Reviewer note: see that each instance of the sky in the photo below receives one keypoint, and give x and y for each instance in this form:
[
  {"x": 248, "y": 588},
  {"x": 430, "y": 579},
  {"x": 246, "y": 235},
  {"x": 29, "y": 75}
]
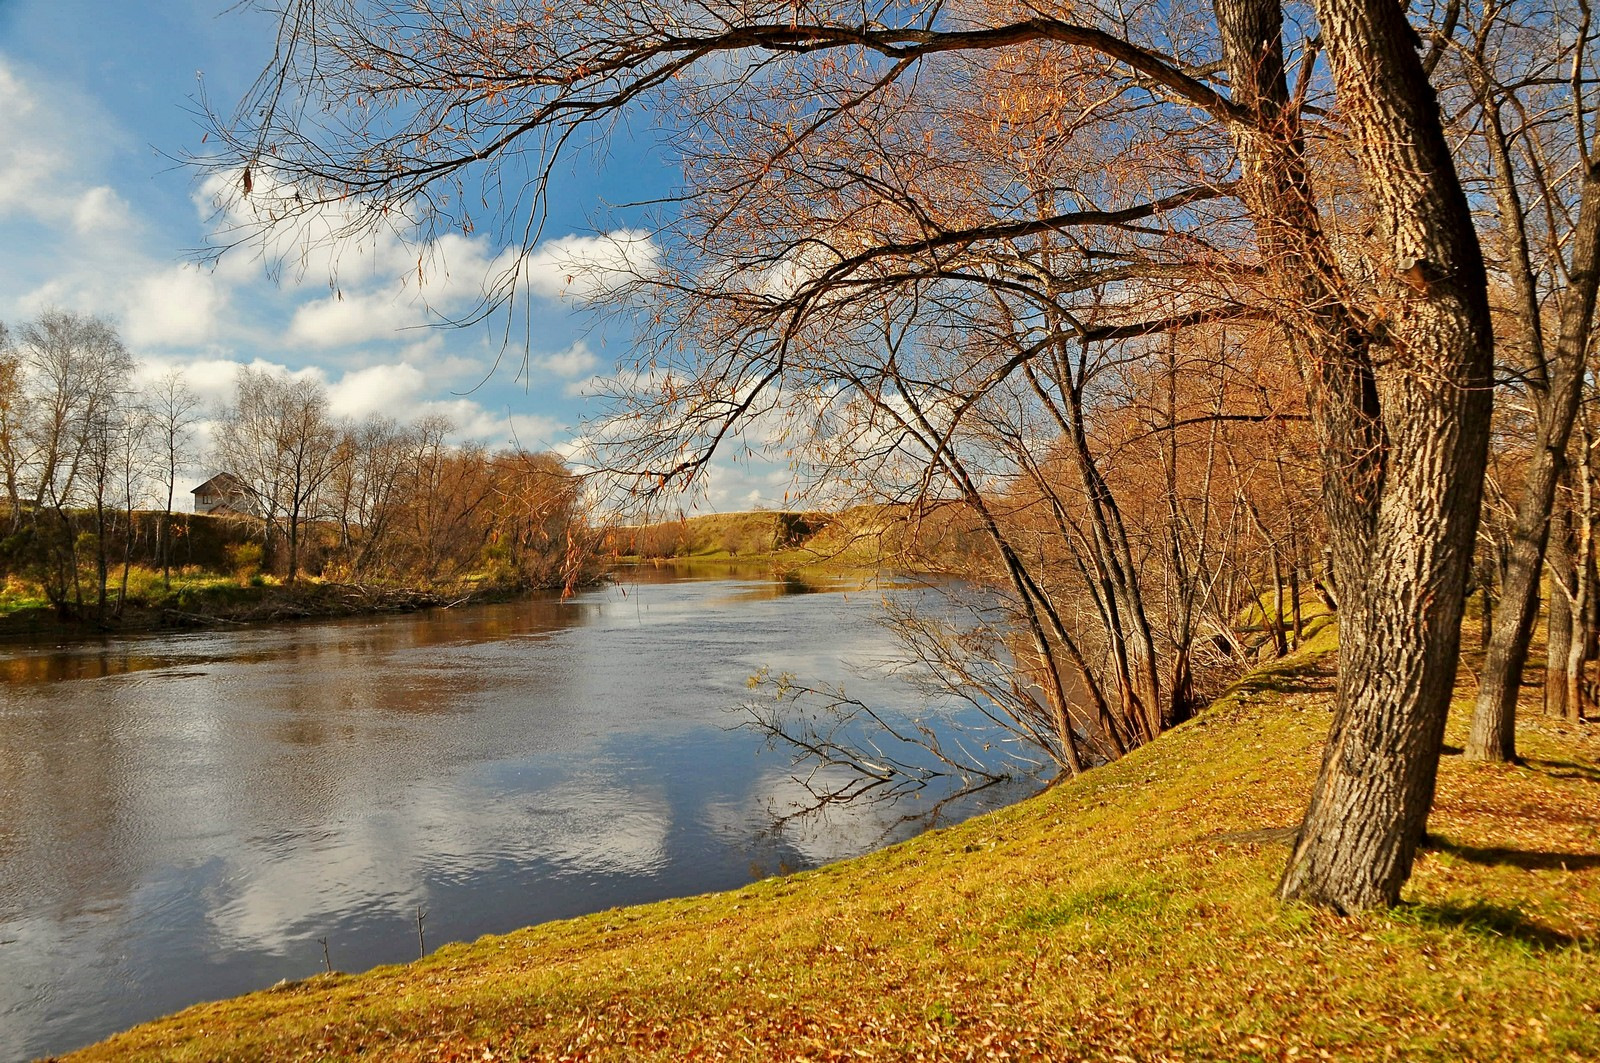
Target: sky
[{"x": 98, "y": 100}]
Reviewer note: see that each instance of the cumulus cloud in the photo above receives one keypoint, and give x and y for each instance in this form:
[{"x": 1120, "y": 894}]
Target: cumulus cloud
[
  {"x": 576, "y": 361},
  {"x": 352, "y": 315},
  {"x": 376, "y": 389},
  {"x": 342, "y": 320},
  {"x": 590, "y": 267},
  {"x": 176, "y": 307},
  {"x": 35, "y": 168},
  {"x": 98, "y": 211},
  {"x": 390, "y": 278}
]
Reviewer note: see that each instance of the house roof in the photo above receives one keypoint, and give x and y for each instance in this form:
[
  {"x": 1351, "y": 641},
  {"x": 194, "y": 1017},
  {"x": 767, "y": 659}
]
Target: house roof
[{"x": 223, "y": 483}]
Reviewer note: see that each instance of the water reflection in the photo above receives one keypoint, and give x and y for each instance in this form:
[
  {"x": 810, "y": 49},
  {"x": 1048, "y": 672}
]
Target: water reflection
[{"x": 187, "y": 814}]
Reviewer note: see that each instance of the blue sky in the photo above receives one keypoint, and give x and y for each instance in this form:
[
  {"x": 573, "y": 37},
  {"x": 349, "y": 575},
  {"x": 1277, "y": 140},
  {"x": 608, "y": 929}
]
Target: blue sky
[{"x": 97, "y": 100}]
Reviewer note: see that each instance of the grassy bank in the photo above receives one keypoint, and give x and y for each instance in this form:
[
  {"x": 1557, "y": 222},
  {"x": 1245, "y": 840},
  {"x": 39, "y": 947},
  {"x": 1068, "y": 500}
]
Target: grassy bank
[
  {"x": 862, "y": 537},
  {"x": 209, "y": 599},
  {"x": 1125, "y": 915}
]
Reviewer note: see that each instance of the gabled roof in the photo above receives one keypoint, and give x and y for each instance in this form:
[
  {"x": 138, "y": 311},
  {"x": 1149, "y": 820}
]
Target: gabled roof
[{"x": 223, "y": 483}]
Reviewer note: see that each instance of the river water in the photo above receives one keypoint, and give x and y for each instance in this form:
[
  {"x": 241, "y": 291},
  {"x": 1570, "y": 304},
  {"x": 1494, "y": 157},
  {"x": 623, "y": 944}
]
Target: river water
[{"x": 187, "y": 816}]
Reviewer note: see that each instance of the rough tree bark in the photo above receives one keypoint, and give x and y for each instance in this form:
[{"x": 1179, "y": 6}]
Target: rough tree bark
[
  {"x": 1400, "y": 394},
  {"x": 1558, "y": 616}
]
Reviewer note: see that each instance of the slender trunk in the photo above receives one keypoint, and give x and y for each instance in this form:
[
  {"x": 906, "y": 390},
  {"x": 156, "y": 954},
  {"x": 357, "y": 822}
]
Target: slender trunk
[
  {"x": 1486, "y": 593},
  {"x": 1558, "y": 623},
  {"x": 1274, "y": 619},
  {"x": 1558, "y": 614},
  {"x": 1114, "y": 585},
  {"x": 127, "y": 562},
  {"x": 1028, "y": 591},
  {"x": 1583, "y": 570},
  {"x": 102, "y": 561},
  {"x": 294, "y": 540},
  {"x": 1294, "y": 603},
  {"x": 1581, "y": 649},
  {"x": 73, "y": 561},
  {"x": 1493, "y": 735},
  {"x": 1572, "y": 667},
  {"x": 1280, "y": 637},
  {"x": 166, "y": 531},
  {"x": 1130, "y": 625}
]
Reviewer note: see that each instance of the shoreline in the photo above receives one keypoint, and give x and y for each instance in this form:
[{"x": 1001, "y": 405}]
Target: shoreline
[
  {"x": 1126, "y": 913},
  {"x": 234, "y": 606}
]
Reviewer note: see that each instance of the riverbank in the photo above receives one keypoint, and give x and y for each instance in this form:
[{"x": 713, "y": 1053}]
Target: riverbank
[
  {"x": 862, "y": 538},
  {"x": 224, "y": 603},
  {"x": 1127, "y": 914}
]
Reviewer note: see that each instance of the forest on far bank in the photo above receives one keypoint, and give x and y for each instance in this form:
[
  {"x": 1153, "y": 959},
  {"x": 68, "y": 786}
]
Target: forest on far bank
[{"x": 97, "y": 471}]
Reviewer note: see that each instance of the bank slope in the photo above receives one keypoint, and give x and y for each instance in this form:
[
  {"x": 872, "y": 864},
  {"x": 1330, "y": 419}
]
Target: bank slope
[{"x": 1125, "y": 915}]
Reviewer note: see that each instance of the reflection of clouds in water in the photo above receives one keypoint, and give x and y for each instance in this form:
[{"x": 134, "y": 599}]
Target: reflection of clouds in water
[
  {"x": 601, "y": 831},
  {"x": 593, "y": 822},
  {"x": 829, "y": 834},
  {"x": 291, "y": 887},
  {"x": 283, "y": 889},
  {"x": 192, "y": 823},
  {"x": 31, "y": 948}
]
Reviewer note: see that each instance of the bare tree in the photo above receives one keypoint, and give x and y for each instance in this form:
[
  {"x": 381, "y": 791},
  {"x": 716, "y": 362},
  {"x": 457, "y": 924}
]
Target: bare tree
[
  {"x": 278, "y": 439},
  {"x": 393, "y": 108},
  {"x": 13, "y": 432},
  {"x": 174, "y": 411},
  {"x": 1525, "y": 81},
  {"x": 76, "y": 371},
  {"x": 366, "y": 488}
]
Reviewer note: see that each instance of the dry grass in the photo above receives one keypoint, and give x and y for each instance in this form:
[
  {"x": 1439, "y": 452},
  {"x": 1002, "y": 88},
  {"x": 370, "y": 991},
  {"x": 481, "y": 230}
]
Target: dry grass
[{"x": 1128, "y": 915}]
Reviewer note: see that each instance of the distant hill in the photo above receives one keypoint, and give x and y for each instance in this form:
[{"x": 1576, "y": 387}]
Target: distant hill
[{"x": 861, "y": 536}]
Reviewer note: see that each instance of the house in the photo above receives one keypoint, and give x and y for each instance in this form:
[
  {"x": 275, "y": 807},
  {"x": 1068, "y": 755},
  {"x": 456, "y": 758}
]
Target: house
[{"x": 224, "y": 495}]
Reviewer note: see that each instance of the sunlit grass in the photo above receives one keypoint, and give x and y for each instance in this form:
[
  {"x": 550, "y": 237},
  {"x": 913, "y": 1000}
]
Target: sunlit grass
[{"x": 1126, "y": 915}]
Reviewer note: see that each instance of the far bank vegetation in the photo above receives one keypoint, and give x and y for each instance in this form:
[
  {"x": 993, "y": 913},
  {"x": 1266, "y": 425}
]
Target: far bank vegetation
[{"x": 97, "y": 460}]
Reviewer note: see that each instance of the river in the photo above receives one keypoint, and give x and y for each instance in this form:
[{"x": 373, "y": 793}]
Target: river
[{"x": 186, "y": 816}]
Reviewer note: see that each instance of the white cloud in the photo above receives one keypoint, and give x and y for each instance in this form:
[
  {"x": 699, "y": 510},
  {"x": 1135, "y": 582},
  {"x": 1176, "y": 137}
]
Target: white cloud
[
  {"x": 351, "y": 315},
  {"x": 343, "y": 320},
  {"x": 753, "y": 483},
  {"x": 576, "y": 361},
  {"x": 385, "y": 389},
  {"x": 34, "y": 168},
  {"x": 590, "y": 267},
  {"x": 99, "y": 211},
  {"x": 177, "y": 307}
]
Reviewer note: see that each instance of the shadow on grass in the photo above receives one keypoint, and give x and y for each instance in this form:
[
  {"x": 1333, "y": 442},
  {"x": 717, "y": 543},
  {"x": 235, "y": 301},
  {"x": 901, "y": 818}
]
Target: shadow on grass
[
  {"x": 1493, "y": 922},
  {"x": 1260, "y": 836},
  {"x": 1306, "y": 677},
  {"x": 1564, "y": 769},
  {"x": 1527, "y": 859}
]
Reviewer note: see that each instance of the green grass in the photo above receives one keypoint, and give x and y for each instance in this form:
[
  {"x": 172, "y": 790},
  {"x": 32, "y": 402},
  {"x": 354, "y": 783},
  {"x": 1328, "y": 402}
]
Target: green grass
[
  {"x": 17, "y": 597},
  {"x": 862, "y": 537},
  {"x": 146, "y": 587},
  {"x": 1128, "y": 914}
]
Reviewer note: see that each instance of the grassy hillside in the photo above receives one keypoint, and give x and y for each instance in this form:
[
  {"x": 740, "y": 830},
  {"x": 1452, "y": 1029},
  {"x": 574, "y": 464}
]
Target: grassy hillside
[
  {"x": 863, "y": 536},
  {"x": 1125, "y": 915}
]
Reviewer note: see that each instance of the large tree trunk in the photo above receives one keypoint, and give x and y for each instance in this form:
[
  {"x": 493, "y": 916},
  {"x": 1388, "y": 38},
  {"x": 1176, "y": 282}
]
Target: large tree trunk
[
  {"x": 1401, "y": 629},
  {"x": 1493, "y": 736},
  {"x": 1404, "y": 435}
]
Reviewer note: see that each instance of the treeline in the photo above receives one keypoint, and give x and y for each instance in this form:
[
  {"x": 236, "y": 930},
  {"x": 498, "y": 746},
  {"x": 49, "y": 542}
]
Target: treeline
[
  {"x": 384, "y": 499},
  {"x": 84, "y": 448}
]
